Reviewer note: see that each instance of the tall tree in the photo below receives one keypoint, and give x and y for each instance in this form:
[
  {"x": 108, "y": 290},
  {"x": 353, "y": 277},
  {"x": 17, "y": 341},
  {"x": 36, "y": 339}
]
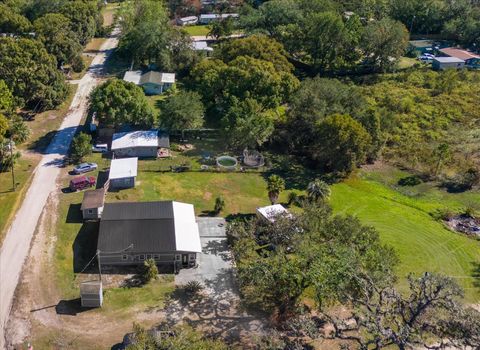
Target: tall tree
[
  {"x": 318, "y": 190},
  {"x": 117, "y": 102},
  {"x": 12, "y": 22},
  {"x": 83, "y": 18},
  {"x": 384, "y": 42},
  {"x": 55, "y": 32},
  {"x": 31, "y": 72},
  {"x": 342, "y": 144},
  {"x": 246, "y": 124},
  {"x": 182, "y": 111}
]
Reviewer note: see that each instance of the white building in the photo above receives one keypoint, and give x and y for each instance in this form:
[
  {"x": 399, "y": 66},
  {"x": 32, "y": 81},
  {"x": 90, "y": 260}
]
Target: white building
[
  {"x": 141, "y": 143},
  {"x": 185, "y": 21},
  {"x": 123, "y": 173},
  {"x": 271, "y": 212}
]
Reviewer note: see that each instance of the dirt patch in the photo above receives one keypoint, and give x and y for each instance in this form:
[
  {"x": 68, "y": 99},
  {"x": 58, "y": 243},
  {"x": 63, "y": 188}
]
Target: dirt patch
[{"x": 207, "y": 196}]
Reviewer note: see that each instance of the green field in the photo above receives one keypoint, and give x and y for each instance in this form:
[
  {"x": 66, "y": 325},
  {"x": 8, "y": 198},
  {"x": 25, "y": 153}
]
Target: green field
[
  {"x": 404, "y": 222},
  {"x": 198, "y": 30}
]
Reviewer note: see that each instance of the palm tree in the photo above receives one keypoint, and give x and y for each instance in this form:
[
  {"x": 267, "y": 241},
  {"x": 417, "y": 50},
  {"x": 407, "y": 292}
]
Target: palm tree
[
  {"x": 318, "y": 190},
  {"x": 275, "y": 185}
]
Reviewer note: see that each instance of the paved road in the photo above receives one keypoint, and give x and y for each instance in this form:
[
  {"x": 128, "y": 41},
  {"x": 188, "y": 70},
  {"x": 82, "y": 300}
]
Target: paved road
[{"x": 17, "y": 242}]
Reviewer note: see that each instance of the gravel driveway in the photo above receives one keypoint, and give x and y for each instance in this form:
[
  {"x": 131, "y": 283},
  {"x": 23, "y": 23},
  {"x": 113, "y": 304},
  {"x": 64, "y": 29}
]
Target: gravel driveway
[{"x": 16, "y": 246}]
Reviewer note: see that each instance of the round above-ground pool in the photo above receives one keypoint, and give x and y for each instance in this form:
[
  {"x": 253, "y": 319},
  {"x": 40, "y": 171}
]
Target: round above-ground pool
[{"x": 227, "y": 162}]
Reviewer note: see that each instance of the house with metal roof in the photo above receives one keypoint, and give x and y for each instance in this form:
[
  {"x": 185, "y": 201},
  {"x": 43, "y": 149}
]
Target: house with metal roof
[
  {"x": 141, "y": 144},
  {"x": 202, "y": 46},
  {"x": 212, "y": 17},
  {"x": 152, "y": 82},
  {"x": 185, "y": 21},
  {"x": 165, "y": 231},
  {"x": 442, "y": 63},
  {"x": 123, "y": 173},
  {"x": 92, "y": 204},
  {"x": 471, "y": 59}
]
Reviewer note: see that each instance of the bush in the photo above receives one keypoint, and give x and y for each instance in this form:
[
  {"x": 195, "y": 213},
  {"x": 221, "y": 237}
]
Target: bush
[
  {"x": 444, "y": 214},
  {"x": 150, "y": 270},
  {"x": 410, "y": 181},
  {"x": 193, "y": 287},
  {"x": 81, "y": 147},
  {"x": 219, "y": 205}
]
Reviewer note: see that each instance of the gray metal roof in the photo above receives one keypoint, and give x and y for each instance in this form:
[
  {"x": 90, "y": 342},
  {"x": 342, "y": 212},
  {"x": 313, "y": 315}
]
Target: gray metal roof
[{"x": 149, "y": 226}]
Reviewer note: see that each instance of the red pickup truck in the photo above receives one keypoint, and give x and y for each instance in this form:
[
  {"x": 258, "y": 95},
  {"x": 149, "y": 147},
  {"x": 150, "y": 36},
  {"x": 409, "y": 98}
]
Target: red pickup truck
[{"x": 82, "y": 182}]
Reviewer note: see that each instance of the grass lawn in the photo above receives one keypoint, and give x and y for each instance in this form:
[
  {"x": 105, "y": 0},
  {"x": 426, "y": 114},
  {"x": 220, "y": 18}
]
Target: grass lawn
[
  {"x": 197, "y": 30},
  {"x": 404, "y": 222},
  {"x": 407, "y": 62}
]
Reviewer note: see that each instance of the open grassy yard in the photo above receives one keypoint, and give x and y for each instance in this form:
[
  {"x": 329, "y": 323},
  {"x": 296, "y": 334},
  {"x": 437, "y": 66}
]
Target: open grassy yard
[
  {"x": 404, "y": 222},
  {"x": 197, "y": 30}
]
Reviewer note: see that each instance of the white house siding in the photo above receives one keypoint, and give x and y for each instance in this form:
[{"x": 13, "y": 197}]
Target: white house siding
[
  {"x": 127, "y": 258},
  {"x": 92, "y": 214}
]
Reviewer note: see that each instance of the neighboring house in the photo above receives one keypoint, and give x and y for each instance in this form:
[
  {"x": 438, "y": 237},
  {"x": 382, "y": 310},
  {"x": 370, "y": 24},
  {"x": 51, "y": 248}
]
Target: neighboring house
[
  {"x": 123, "y": 173},
  {"x": 212, "y": 17},
  {"x": 152, "y": 82},
  {"x": 142, "y": 144},
  {"x": 421, "y": 47},
  {"x": 185, "y": 21},
  {"x": 471, "y": 60},
  {"x": 92, "y": 204},
  {"x": 165, "y": 231},
  {"x": 202, "y": 46},
  {"x": 271, "y": 212},
  {"x": 442, "y": 63},
  {"x": 155, "y": 83}
]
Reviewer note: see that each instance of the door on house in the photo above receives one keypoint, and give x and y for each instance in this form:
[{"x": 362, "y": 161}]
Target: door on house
[{"x": 185, "y": 260}]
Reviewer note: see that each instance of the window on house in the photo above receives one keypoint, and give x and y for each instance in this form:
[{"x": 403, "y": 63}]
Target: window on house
[
  {"x": 156, "y": 256},
  {"x": 90, "y": 211},
  {"x": 124, "y": 257},
  {"x": 142, "y": 257},
  {"x": 192, "y": 257},
  {"x": 178, "y": 257},
  {"x": 149, "y": 256}
]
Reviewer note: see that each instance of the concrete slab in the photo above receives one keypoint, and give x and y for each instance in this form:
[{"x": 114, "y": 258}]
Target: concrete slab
[{"x": 212, "y": 227}]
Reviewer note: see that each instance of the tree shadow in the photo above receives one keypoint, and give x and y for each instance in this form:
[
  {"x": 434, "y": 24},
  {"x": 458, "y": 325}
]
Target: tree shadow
[
  {"x": 208, "y": 213},
  {"x": 296, "y": 175},
  {"x": 102, "y": 178},
  {"x": 239, "y": 216},
  {"x": 85, "y": 247},
  {"x": 40, "y": 145},
  {"x": 218, "y": 247},
  {"x": 217, "y": 309}
]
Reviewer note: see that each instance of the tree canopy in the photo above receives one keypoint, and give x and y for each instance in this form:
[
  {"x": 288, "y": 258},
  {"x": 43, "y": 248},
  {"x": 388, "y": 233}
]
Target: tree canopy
[
  {"x": 31, "y": 72},
  {"x": 182, "y": 111},
  {"x": 117, "y": 102}
]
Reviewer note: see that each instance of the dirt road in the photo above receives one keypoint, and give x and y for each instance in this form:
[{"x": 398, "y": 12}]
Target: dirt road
[{"x": 16, "y": 246}]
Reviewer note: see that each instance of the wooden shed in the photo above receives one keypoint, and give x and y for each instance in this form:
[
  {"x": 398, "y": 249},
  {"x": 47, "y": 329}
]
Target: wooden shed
[
  {"x": 92, "y": 204},
  {"x": 91, "y": 294}
]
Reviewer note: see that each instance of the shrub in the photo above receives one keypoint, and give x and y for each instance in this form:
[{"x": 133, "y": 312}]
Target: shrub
[
  {"x": 444, "y": 214},
  {"x": 193, "y": 287},
  {"x": 81, "y": 147},
  {"x": 292, "y": 198},
  {"x": 410, "y": 181},
  {"x": 150, "y": 270},
  {"x": 219, "y": 205}
]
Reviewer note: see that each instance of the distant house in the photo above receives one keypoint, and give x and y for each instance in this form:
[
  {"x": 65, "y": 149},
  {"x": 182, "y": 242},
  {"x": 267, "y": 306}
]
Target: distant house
[
  {"x": 123, "y": 173},
  {"x": 442, "y": 63},
  {"x": 271, "y": 212},
  {"x": 141, "y": 144},
  {"x": 202, "y": 46},
  {"x": 152, "y": 82},
  {"x": 185, "y": 21},
  {"x": 212, "y": 17},
  {"x": 420, "y": 47},
  {"x": 166, "y": 231},
  {"x": 471, "y": 60},
  {"x": 92, "y": 204}
]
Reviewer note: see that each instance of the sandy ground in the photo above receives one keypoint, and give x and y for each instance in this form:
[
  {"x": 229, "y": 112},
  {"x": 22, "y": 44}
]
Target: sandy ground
[{"x": 16, "y": 246}]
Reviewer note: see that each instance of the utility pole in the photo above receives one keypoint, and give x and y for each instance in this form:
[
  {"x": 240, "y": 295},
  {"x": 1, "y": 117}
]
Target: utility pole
[{"x": 12, "y": 165}]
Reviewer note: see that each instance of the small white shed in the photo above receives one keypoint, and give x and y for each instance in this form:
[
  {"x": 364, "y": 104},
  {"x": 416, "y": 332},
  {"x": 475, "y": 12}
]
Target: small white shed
[
  {"x": 123, "y": 173},
  {"x": 270, "y": 212}
]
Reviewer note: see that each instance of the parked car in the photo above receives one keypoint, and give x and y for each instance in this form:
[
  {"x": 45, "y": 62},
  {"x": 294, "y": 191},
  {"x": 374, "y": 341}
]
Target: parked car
[
  {"x": 84, "y": 168},
  {"x": 82, "y": 182},
  {"x": 426, "y": 57},
  {"x": 100, "y": 148}
]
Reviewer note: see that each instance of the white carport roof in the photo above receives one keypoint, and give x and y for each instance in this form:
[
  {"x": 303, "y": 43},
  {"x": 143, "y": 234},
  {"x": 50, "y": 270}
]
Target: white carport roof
[
  {"x": 133, "y": 76},
  {"x": 272, "y": 211},
  {"x": 187, "y": 237},
  {"x": 139, "y": 138},
  {"x": 122, "y": 168}
]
